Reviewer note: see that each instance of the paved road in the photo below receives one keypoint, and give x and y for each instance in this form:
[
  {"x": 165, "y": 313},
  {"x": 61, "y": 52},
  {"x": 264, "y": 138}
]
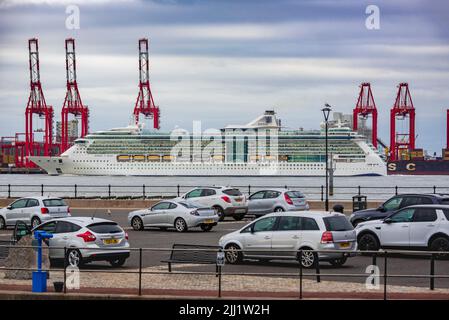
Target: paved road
[{"x": 154, "y": 238}]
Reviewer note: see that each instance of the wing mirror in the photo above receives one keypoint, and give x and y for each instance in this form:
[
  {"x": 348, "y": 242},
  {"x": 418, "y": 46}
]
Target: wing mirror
[
  {"x": 381, "y": 209},
  {"x": 9, "y": 207}
]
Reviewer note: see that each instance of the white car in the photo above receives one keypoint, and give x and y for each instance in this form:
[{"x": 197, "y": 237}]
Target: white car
[
  {"x": 415, "y": 227},
  {"x": 282, "y": 235},
  {"x": 33, "y": 211},
  {"x": 226, "y": 201},
  {"x": 86, "y": 239},
  {"x": 180, "y": 215}
]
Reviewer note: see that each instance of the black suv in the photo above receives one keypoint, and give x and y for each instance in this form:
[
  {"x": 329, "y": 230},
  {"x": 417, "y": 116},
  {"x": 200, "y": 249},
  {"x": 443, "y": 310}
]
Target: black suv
[{"x": 395, "y": 203}]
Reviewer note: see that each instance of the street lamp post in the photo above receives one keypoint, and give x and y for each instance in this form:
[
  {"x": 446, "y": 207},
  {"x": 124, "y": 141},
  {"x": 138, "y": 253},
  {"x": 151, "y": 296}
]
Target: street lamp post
[{"x": 326, "y": 111}]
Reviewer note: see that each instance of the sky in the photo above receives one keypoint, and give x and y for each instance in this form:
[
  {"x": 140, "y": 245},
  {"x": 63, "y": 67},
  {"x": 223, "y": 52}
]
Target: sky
[{"x": 225, "y": 62}]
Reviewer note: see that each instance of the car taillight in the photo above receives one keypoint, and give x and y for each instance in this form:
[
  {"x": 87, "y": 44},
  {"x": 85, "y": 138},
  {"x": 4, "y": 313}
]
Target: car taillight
[
  {"x": 327, "y": 237},
  {"x": 288, "y": 199},
  {"x": 68, "y": 209},
  {"x": 44, "y": 210},
  {"x": 194, "y": 213},
  {"x": 87, "y": 236},
  {"x": 126, "y": 235},
  {"x": 226, "y": 199}
]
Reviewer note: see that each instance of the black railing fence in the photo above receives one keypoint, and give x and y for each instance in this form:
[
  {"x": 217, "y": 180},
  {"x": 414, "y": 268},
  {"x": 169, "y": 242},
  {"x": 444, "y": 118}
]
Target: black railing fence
[
  {"x": 382, "y": 259},
  {"x": 144, "y": 191}
]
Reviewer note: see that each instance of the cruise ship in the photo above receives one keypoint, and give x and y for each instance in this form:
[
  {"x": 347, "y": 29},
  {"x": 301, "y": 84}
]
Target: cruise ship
[{"x": 261, "y": 147}]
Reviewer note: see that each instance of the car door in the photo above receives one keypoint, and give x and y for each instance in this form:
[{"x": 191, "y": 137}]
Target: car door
[
  {"x": 269, "y": 202},
  {"x": 286, "y": 237},
  {"x": 395, "y": 230},
  {"x": 194, "y": 196},
  {"x": 50, "y": 227},
  {"x": 171, "y": 213},
  {"x": 157, "y": 215},
  {"x": 391, "y": 205},
  {"x": 207, "y": 197},
  {"x": 423, "y": 226},
  {"x": 32, "y": 208},
  {"x": 257, "y": 242},
  {"x": 14, "y": 212},
  {"x": 61, "y": 237},
  {"x": 254, "y": 203}
]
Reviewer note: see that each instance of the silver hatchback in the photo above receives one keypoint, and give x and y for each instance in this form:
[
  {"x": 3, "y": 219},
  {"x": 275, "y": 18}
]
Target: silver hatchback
[{"x": 276, "y": 200}]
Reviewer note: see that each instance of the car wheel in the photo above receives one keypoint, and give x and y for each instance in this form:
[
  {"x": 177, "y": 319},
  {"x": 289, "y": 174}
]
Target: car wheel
[
  {"x": 206, "y": 227},
  {"x": 233, "y": 254},
  {"x": 338, "y": 262},
  {"x": 2, "y": 223},
  {"x": 118, "y": 262},
  {"x": 440, "y": 244},
  {"x": 279, "y": 209},
  {"x": 239, "y": 216},
  {"x": 35, "y": 222},
  {"x": 137, "y": 223},
  {"x": 368, "y": 242},
  {"x": 180, "y": 225},
  {"x": 308, "y": 259},
  {"x": 74, "y": 258},
  {"x": 220, "y": 212}
]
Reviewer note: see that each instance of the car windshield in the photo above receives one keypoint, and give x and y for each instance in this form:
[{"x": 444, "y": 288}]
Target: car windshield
[
  {"x": 54, "y": 203},
  {"x": 105, "y": 227},
  {"x": 232, "y": 192},
  {"x": 337, "y": 223},
  {"x": 188, "y": 205},
  {"x": 295, "y": 194}
]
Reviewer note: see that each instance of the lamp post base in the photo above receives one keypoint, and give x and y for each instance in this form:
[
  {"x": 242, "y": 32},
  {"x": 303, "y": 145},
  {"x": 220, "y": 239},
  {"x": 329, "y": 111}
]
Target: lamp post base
[{"x": 39, "y": 281}]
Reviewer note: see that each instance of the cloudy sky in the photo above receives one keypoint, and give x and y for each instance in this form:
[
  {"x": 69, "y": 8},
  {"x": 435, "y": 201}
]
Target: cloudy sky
[{"x": 227, "y": 61}]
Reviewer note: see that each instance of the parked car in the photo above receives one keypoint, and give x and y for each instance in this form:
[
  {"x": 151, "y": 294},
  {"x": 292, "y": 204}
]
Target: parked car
[
  {"x": 86, "y": 239},
  {"x": 276, "y": 200},
  {"x": 180, "y": 215},
  {"x": 418, "y": 227},
  {"x": 395, "y": 203},
  {"x": 282, "y": 235},
  {"x": 33, "y": 211},
  {"x": 226, "y": 201}
]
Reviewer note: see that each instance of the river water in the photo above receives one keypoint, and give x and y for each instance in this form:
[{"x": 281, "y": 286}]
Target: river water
[{"x": 90, "y": 186}]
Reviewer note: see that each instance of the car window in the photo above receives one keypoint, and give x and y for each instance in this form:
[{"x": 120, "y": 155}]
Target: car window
[
  {"x": 272, "y": 194},
  {"x": 54, "y": 203},
  {"x": 172, "y": 206},
  {"x": 105, "y": 227},
  {"x": 49, "y": 227},
  {"x": 232, "y": 192},
  {"x": 289, "y": 223},
  {"x": 446, "y": 213},
  {"x": 32, "y": 203},
  {"x": 19, "y": 204},
  {"x": 258, "y": 195},
  {"x": 445, "y": 201},
  {"x": 194, "y": 193},
  {"x": 405, "y": 215},
  {"x": 392, "y": 204},
  {"x": 309, "y": 224},
  {"x": 266, "y": 224},
  {"x": 410, "y": 201},
  {"x": 295, "y": 194},
  {"x": 424, "y": 215},
  {"x": 161, "y": 206},
  {"x": 337, "y": 223},
  {"x": 66, "y": 227},
  {"x": 426, "y": 200},
  {"x": 208, "y": 192}
]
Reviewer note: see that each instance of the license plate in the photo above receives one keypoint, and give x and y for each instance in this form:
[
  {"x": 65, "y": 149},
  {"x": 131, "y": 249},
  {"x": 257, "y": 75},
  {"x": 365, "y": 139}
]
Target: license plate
[
  {"x": 345, "y": 245},
  {"x": 209, "y": 221},
  {"x": 110, "y": 241},
  {"x": 238, "y": 199}
]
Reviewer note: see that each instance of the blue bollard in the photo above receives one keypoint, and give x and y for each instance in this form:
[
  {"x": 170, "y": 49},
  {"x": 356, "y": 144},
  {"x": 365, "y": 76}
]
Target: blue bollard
[{"x": 39, "y": 276}]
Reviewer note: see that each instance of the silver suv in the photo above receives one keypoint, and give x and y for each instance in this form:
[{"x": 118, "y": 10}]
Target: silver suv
[
  {"x": 276, "y": 200},
  {"x": 226, "y": 201},
  {"x": 33, "y": 211}
]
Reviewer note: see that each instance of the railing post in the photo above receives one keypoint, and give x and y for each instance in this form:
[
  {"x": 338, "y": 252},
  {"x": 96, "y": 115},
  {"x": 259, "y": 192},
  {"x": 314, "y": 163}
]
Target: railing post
[
  {"x": 143, "y": 191},
  {"x": 385, "y": 275},
  {"x": 9, "y": 190},
  {"x": 396, "y": 190},
  {"x": 300, "y": 274},
  {"x": 42, "y": 190},
  {"x": 317, "y": 268},
  {"x": 219, "y": 281},
  {"x": 109, "y": 191},
  {"x": 434, "y": 189},
  {"x": 360, "y": 190},
  {"x": 76, "y": 191},
  {"x": 432, "y": 272},
  {"x": 322, "y": 193},
  {"x": 178, "y": 190},
  {"x": 249, "y": 189},
  {"x": 285, "y": 187},
  {"x": 140, "y": 271},
  {"x": 65, "y": 270}
]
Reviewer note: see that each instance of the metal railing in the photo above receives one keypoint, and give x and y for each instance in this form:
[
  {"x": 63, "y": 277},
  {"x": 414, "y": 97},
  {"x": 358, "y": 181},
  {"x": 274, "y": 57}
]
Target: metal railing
[
  {"x": 300, "y": 275},
  {"x": 144, "y": 191}
]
